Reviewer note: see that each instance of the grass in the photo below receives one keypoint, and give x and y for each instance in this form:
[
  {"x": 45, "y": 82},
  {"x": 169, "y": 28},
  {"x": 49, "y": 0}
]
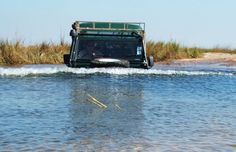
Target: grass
[
  {"x": 167, "y": 51},
  {"x": 15, "y": 53}
]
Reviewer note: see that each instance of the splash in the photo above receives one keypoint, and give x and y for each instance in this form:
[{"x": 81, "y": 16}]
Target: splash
[{"x": 49, "y": 69}]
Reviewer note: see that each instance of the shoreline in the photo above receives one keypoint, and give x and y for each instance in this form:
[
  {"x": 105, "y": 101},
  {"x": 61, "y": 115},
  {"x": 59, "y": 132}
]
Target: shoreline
[
  {"x": 17, "y": 53},
  {"x": 220, "y": 57},
  {"x": 227, "y": 59}
]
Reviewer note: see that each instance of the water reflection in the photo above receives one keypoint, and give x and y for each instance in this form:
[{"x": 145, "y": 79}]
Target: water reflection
[
  {"x": 157, "y": 113},
  {"x": 120, "y": 125}
]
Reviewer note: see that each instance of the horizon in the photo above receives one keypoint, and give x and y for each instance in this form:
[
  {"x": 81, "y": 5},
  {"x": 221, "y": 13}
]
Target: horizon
[{"x": 191, "y": 23}]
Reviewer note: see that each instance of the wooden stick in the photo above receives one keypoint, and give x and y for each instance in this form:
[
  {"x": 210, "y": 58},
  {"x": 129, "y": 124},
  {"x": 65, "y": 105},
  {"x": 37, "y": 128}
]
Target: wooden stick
[{"x": 94, "y": 100}]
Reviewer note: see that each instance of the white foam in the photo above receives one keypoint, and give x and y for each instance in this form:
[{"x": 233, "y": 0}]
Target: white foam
[
  {"x": 38, "y": 70},
  {"x": 107, "y": 60}
]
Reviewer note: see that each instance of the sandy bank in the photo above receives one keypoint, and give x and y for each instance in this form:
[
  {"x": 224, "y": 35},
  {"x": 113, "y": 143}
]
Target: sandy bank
[
  {"x": 219, "y": 57},
  {"x": 226, "y": 59}
]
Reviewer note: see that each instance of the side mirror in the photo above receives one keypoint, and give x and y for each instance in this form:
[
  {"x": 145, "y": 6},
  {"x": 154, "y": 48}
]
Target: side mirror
[
  {"x": 73, "y": 33},
  {"x": 150, "y": 61},
  {"x": 66, "y": 59}
]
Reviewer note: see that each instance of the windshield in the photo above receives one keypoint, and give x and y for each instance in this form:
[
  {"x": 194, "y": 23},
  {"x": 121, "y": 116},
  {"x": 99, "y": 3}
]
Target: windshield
[{"x": 121, "y": 49}]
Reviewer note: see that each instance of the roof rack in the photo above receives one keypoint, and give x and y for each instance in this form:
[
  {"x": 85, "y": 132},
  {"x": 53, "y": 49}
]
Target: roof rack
[{"x": 110, "y": 26}]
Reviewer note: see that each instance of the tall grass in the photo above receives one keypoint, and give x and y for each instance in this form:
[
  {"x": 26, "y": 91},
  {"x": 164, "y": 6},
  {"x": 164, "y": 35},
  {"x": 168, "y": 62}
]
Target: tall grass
[
  {"x": 166, "y": 51},
  {"x": 13, "y": 53}
]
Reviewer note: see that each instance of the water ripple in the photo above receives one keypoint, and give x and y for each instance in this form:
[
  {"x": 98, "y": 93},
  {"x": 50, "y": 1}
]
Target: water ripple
[{"x": 55, "y": 69}]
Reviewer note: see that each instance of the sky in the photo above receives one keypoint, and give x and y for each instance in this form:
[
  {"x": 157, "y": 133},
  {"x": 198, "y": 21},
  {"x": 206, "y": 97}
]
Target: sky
[{"x": 201, "y": 23}]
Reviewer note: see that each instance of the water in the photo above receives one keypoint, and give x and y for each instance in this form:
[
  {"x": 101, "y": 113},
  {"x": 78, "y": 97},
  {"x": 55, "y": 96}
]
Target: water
[{"x": 168, "y": 108}]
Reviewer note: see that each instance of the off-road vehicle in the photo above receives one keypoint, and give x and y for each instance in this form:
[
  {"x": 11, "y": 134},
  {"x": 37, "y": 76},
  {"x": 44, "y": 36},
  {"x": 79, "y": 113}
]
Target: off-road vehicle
[{"x": 108, "y": 44}]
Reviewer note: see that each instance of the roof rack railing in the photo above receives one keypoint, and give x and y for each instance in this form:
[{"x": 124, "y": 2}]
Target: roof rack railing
[{"x": 93, "y": 25}]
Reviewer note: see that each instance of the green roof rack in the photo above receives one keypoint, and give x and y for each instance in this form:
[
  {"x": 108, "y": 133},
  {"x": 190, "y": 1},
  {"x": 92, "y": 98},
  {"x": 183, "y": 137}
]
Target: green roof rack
[{"x": 108, "y": 26}]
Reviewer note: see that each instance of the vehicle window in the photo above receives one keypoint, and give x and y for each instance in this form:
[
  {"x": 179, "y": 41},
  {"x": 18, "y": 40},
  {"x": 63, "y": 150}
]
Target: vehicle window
[
  {"x": 109, "y": 48},
  {"x": 139, "y": 50}
]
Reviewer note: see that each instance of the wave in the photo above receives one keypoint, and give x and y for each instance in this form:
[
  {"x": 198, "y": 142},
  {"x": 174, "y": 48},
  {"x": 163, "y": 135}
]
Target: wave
[{"x": 47, "y": 70}]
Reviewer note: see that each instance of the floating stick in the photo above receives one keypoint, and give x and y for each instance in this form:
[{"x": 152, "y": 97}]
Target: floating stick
[
  {"x": 94, "y": 100},
  {"x": 118, "y": 106}
]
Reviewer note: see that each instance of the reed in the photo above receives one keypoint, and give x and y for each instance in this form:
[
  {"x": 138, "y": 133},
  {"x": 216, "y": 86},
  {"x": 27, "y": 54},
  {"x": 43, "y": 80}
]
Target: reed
[
  {"x": 14, "y": 53},
  {"x": 166, "y": 51}
]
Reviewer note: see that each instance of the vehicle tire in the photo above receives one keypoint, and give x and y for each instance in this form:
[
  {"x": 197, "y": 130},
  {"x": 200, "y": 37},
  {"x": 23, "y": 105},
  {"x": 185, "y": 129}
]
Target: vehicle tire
[
  {"x": 150, "y": 61},
  {"x": 66, "y": 59}
]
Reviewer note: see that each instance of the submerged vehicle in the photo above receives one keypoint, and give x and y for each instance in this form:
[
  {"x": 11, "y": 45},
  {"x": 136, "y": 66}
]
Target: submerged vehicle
[{"x": 108, "y": 44}]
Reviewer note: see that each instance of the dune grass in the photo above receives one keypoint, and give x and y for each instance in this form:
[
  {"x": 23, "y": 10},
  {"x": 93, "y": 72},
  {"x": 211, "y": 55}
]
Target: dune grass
[{"x": 16, "y": 53}]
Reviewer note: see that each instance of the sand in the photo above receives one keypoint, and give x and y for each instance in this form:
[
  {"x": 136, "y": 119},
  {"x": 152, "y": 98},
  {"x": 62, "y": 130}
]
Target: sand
[{"x": 226, "y": 58}]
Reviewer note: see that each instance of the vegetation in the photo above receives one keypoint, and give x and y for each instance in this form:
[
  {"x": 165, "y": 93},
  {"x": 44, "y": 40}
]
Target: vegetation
[
  {"x": 13, "y": 53},
  {"x": 166, "y": 51}
]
